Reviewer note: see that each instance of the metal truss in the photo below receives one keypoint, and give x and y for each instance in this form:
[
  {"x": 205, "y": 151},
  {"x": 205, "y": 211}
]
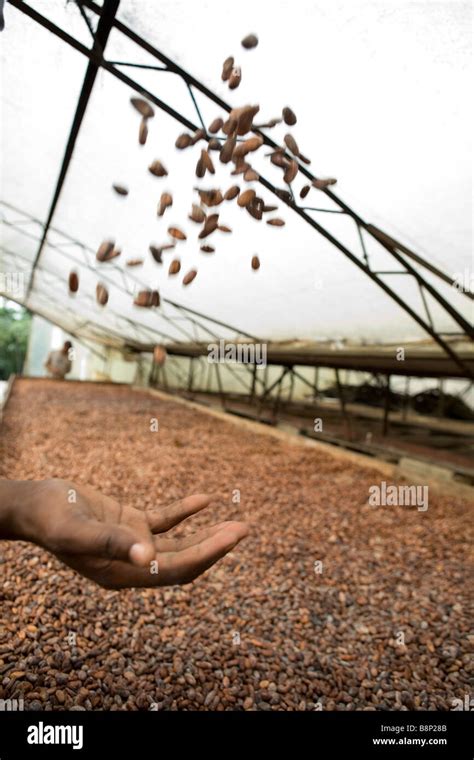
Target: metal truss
[
  {"x": 81, "y": 256},
  {"x": 401, "y": 255}
]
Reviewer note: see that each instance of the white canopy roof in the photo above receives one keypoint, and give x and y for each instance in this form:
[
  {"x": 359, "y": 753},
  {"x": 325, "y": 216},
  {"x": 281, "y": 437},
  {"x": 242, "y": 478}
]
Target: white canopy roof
[{"x": 380, "y": 92}]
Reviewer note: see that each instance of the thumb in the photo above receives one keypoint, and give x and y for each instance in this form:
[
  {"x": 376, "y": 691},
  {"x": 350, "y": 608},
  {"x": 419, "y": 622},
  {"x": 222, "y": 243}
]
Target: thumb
[{"x": 109, "y": 541}]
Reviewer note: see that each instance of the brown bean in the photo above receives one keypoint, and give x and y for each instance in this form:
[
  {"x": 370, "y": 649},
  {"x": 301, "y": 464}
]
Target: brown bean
[
  {"x": 142, "y": 298},
  {"x": 250, "y": 175},
  {"x": 200, "y": 168},
  {"x": 198, "y": 135},
  {"x": 101, "y": 294},
  {"x": 255, "y": 263},
  {"x": 291, "y": 172},
  {"x": 232, "y": 193},
  {"x": 207, "y": 162},
  {"x": 158, "y": 249},
  {"x": 227, "y": 150},
  {"x": 241, "y": 167},
  {"x": 197, "y": 214},
  {"x": 246, "y": 197},
  {"x": 157, "y": 169},
  {"x": 189, "y": 277},
  {"x": 143, "y": 132},
  {"x": 254, "y": 143},
  {"x": 279, "y": 159},
  {"x": 176, "y": 233},
  {"x": 166, "y": 201},
  {"x": 268, "y": 124},
  {"x": 174, "y": 267},
  {"x": 321, "y": 184},
  {"x": 183, "y": 141},
  {"x": 147, "y": 299},
  {"x": 143, "y": 107},
  {"x": 230, "y": 127},
  {"x": 120, "y": 189},
  {"x": 250, "y": 41},
  {"x": 113, "y": 254},
  {"x": 73, "y": 281},
  {"x": 245, "y": 117},
  {"x": 284, "y": 195},
  {"x": 210, "y": 225},
  {"x": 276, "y": 222},
  {"x": 216, "y": 125},
  {"x": 289, "y": 116},
  {"x": 304, "y": 191},
  {"x": 227, "y": 67},
  {"x": 156, "y": 253},
  {"x": 247, "y": 146},
  {"x": 255, "y": 208},
  {"x": 291, "y": 143},
  {"x": 211, "y": 197},
  {"x": 105, "y": 250},
  {"x": 235, "y": 78}
]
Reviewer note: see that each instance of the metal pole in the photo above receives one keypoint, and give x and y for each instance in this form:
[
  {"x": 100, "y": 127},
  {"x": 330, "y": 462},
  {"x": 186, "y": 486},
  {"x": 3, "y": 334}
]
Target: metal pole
[
  {"x": 191, "y": 374},
  {"x": 386, "y": 410},
  {"x": 219, "y": 383},
  {"x": 442, "y": 398},
  {"x": 292, "y": 386},
  {"x": 316, "y": 382},
  {"x": 343, "y": 405},
  {"x": 104, "y": 28},
  {"x": 406, "y": 399}
]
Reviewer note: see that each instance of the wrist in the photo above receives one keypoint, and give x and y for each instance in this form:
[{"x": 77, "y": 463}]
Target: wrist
[{"x": 17, "y": 500}]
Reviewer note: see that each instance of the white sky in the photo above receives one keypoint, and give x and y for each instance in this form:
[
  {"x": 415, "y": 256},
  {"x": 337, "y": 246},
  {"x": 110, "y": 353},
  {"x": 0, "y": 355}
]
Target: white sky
[{"x": 381, "y": 91}]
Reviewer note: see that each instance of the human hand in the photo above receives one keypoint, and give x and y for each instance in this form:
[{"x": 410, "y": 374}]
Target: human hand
[{"x": 116, "y": 546}]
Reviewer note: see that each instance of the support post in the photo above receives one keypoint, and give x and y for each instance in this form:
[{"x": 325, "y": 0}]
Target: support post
[
  {"x": 386, "y": 410},
  {"x": 191, "y": 374},
  {"x": 343, "y": 405}
]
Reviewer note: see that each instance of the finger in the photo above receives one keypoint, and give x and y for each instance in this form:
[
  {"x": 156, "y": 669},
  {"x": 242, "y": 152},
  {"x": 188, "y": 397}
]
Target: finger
[
  {"x": 172, "y": 567},
  {"x": 94, "y": 538},
  {"x": 177, "y": 544},
  {"x": 142, "y": 550},
  {"x": 164, "y": 518},
  {"x": 184, "y": 566}
]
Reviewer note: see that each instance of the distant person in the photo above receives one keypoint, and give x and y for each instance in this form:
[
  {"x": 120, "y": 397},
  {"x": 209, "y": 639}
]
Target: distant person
[{"x": 58, "y": 363}]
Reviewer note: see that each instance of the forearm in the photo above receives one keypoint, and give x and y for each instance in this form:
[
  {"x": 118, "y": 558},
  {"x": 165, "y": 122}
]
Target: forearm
[{"x": 16, "y": 498}]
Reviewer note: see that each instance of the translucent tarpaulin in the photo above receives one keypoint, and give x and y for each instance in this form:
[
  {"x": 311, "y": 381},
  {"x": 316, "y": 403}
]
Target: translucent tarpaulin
[{"x": 379, "y": 91}]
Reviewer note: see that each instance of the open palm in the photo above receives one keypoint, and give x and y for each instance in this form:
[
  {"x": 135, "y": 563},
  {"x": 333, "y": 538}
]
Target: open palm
[{"x": 119, "y": 546}]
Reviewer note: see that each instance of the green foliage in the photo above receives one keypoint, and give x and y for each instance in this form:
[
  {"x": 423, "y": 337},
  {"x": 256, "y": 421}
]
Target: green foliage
[{"x": 14, "y": 332}]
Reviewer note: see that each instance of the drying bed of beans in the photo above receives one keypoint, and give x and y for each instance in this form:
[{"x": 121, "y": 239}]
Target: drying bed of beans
[{"x": 329, "y": 604}]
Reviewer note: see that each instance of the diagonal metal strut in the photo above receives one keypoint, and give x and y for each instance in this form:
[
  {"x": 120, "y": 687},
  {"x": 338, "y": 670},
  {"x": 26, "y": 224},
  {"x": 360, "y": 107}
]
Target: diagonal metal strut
[
  {"x": 395, "y": 249},
  {"x": 103, "y": 30}
]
